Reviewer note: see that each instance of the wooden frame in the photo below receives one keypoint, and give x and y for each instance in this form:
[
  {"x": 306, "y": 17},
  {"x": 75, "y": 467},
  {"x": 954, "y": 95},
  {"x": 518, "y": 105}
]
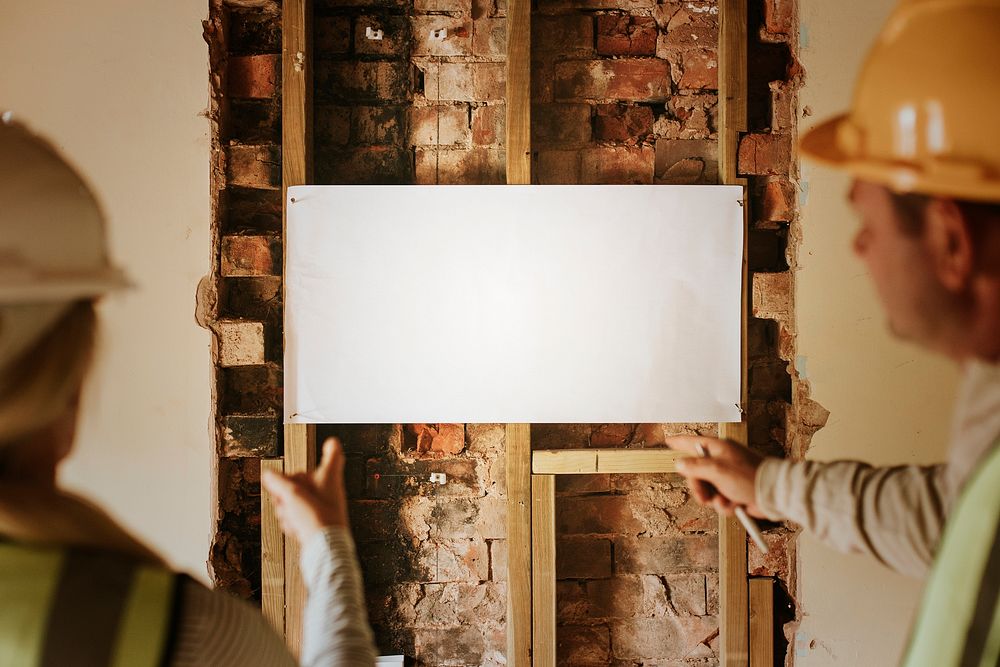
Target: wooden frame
[{"x": 746, "y": 606}]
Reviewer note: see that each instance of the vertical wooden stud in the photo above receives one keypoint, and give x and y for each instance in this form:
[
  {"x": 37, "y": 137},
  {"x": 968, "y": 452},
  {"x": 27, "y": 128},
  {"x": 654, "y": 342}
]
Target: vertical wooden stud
[
  {"x": 761, "y": 622},
  {"x": 272, "y": 556},
  {"x": 734, "y": 597},
  {"x": 732, "y": 84},
  {"x": 300, "y": 456},
  {"x": 519, "y": 92},
  {"x": 296, "y": 169},
  {"x": 543, "y": 570},
  {"x": 518, "y": 464}
]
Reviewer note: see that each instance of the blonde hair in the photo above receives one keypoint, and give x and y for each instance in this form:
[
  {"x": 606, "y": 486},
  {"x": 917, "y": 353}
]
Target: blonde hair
[{"x": 38, "y": 386}]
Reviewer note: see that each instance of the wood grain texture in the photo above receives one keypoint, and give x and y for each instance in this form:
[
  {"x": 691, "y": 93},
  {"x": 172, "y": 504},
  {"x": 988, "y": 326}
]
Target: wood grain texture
[
  {"x": 519, "y": 92},
  {"x": 543, "y": 568},
  {"x": 734, "y": 597},
  {"x": 734, "y": 602},
  {"x": 761, "y": 622},
  {"x": 300, "y": 456},
  {"x": 732, "y": 84},
  {"x": 592, "y": 461},
  {"x": 296, "y": 169},
  {"x": 272, "y": 556},
  {"x": 518, "y": 468}
]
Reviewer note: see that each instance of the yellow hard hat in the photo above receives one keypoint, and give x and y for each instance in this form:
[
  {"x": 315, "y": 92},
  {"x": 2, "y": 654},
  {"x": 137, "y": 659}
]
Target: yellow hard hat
[
  {"x": 924, "y": 117},
  {"x": 52, "y": 245}
]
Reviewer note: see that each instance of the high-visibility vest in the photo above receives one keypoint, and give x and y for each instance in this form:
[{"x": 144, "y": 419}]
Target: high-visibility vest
[
  {"x": 958, "y": 624},
  {"x": 74, "y": 608}
]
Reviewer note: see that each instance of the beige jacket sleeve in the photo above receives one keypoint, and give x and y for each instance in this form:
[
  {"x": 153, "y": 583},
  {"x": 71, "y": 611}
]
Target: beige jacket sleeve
[{"x": 895, "y": 514}]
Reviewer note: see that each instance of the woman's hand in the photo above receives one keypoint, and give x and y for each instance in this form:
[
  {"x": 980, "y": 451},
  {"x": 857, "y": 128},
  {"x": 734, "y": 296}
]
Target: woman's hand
[
  {"x": 723, "y": 479},
  {"x": 305, "y": 503}
]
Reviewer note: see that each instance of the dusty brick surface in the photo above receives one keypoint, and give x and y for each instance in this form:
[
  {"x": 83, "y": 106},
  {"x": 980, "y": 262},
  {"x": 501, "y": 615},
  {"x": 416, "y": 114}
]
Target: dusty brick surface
[
  {"x": 624, "y": 91},
  {"x": 254, "y": 76}
]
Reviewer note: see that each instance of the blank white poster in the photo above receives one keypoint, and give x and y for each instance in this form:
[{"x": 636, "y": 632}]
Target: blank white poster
[{"x": 592, "y": 304}]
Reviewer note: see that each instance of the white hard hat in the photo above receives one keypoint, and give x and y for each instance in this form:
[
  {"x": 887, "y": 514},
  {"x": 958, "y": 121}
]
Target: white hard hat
[{"x": 52, "y": 243}]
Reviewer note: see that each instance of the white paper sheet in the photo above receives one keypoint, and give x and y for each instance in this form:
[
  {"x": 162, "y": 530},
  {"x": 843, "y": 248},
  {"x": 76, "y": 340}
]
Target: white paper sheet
[{"x": 593, "y": 304}]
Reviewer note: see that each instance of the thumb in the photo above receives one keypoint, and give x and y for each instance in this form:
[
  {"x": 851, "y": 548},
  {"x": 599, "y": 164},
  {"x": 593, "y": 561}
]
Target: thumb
[{"x": 330, "y": 472}]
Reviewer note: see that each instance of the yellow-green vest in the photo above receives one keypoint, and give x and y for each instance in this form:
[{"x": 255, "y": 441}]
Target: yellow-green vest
[
  {"x": 76, "y": 608},
  {"x": 958, "y": 624}
]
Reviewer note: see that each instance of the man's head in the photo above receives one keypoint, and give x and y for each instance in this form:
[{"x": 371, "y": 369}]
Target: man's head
[
  {"x": 924, "y": 147},
  {"x": 935, "y": 263}
]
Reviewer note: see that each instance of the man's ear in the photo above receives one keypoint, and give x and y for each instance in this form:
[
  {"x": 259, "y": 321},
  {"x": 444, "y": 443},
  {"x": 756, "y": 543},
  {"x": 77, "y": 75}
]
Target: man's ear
[{"x": 949, "y": 243}]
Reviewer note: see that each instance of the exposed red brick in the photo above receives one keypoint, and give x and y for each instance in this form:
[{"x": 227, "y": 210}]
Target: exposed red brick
[
  {"x": 778, "y": 201},
  {"x": 600, "y": 515},
  {"x": 666, "y": 554},
  {"x": 254, "y": 76},
  {"x": 780, "y": 559},
  {"x": 254, "y": 166},
  {"x": 489, "y": 38},
  {"x": 460, "y": 560},
  {"x": 332, "y": 34},
  {"x": 251, "y": 256},
  {"x": 394, "y": 40},
  {"x": 360, "y": 81},
  {"x": 699, "y": 70},
  {"x": 618, "y": 122},
  {"x": 482, "y": 166},
  {"x": 623, "y": 35},
  {"x": 669, "y": 637},
  {"x": 332, "y": 124},
  {"x": 456, "y": 42},
  {"x": 440, "y": 124},
  {"x": 249, "y": 435},
  {"x": 783, "y": 106},
  {"x": 369, "y": 165},
  {"x": 580, "y": 484},
  {"x": 451, "y": 6},
  {"x": 583, "y": 558},
  {"x": 489, "y": 124},
  {"x": 772, "y": 296},
  {"x": 450, "y": 646},
  {"x": 558, "y": 167},
  {"x": 464, "y": 82},
  {"x": 560, "y": 123},
  {"x": 778, "y": 15},
  {"x": 611, "y": 435},
  {"x": 765, "y": 154},
  {"x": 617, "y": 164},
  {"x": 376, "y": 125},
  {"x": 548, "y": 6},
  {"x": 434, "y": 439},
  {"x": 583, "y": 646},
  {"x": 639, "y": 80},
  {"x": 567, "y": 36}
]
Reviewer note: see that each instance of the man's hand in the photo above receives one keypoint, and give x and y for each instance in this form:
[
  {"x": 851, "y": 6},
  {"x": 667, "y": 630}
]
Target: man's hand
[
  {"x": 308, "y": 502},
  {"x": 724, "y": 479}
]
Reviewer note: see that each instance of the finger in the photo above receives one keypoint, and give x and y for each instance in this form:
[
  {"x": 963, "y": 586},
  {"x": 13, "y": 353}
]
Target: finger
[
  {"x": 723, "y": 504},
  {"x": 702, "y": 491},
  {"x": 329, "y": 475},
  {"x": 684, "y": 443},
  {"x": 278, "y": 485},
  {"x": 700, "y": 469}
]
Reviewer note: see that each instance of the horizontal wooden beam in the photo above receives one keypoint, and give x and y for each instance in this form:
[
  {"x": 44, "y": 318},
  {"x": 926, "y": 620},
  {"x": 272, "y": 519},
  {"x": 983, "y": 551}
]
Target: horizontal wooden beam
[{"x": 590, "y": 461}]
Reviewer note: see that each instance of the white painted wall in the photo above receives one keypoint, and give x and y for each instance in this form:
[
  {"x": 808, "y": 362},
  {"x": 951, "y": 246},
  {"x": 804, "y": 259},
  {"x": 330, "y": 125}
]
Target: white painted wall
[
  {"x": 889, "y": 401},
  {"x": 120, "y": 86}
]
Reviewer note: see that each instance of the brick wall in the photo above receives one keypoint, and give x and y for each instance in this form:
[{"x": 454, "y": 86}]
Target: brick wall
[{"x": 624, "y": 91}]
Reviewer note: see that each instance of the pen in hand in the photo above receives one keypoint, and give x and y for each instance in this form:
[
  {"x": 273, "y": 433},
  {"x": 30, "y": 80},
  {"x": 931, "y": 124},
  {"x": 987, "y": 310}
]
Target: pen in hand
[{"x": 751, "y": 526}]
